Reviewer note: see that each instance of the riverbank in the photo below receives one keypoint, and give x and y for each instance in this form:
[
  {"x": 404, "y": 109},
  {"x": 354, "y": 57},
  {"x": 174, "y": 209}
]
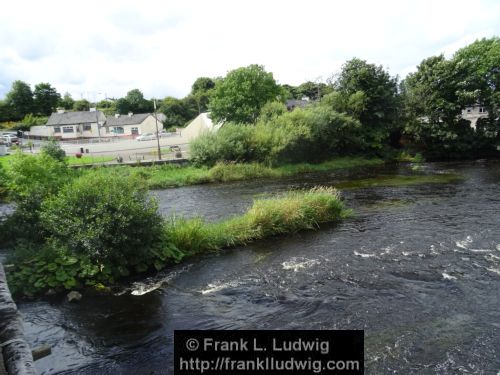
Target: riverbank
[
  {"x": 169, "y": 176},
  {"x": 56, "y": 270}
]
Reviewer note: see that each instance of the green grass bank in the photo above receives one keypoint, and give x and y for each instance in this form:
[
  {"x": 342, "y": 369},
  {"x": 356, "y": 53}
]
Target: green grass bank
[{"x": 168, "y": 176}]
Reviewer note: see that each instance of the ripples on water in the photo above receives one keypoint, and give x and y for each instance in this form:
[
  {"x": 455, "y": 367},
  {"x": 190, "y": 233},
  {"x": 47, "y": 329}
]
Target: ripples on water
[{"x": 417, "y": 267}]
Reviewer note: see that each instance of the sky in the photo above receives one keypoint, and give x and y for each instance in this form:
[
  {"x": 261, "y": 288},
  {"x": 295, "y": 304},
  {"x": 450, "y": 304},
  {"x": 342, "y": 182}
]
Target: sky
[{"x": 97, "y": 49}]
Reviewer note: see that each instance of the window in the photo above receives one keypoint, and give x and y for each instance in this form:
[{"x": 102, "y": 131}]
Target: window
[
  {"x": 118, "y": 130},
  {"x": 469, "y": 110},
  {"x": 482, "y": 110},
  {"x": 135, "y": 130},
  {"x": 57, "y": 129},
  {"x": 87, "y": 127},
  {"x": 68, "y": 129}
]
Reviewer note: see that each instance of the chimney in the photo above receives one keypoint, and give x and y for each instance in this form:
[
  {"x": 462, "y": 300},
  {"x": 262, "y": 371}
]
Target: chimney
[
  {"x": 61, "y": 110},
  {"x": 117, "y": 115},
  {"x": 130, "y": 114}
]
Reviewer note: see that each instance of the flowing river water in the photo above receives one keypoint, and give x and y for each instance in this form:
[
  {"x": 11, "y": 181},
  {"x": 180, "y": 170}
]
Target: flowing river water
[{"x": 417, "y": 267}]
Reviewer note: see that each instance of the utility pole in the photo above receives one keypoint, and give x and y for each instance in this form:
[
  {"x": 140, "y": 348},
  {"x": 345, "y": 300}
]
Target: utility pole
[
  {"x": 157, "y": 133},
  {"x": 97, "y": 120}
]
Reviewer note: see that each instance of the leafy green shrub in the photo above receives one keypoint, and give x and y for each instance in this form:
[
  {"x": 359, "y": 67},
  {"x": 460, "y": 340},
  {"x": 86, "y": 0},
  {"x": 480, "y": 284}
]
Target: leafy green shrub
[
  {"x": 233, "y": 142},
  {"x": 54, "y": 150},
  {"x": 312, "y": 134},
  {"x": 105, "y": 217},
  {"x": 30, "y": 180},
  {"x": 3, "y": 183}
]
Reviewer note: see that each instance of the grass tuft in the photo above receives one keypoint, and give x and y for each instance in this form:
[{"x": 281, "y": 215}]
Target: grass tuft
[{"x": 288, "y": 213}]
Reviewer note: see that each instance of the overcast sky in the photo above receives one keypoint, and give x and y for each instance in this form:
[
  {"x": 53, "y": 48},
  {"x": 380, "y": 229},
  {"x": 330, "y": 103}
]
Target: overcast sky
[{"x": 97, "y": 48}]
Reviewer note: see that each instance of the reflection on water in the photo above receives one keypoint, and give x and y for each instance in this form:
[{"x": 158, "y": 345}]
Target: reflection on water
[{"x": 417, "y": 267}]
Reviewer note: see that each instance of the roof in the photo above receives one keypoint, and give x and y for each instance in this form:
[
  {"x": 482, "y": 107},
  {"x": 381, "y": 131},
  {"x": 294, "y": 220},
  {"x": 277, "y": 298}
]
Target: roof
[
  {"x": 292, "y": 103},
  {"x": 134, "y": 119},
  {"x": 71, "y": 118}
]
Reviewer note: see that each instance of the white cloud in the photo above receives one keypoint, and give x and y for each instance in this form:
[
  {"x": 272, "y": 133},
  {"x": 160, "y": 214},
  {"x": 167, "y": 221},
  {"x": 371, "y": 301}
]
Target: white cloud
[{"x": 161, "y": 47}]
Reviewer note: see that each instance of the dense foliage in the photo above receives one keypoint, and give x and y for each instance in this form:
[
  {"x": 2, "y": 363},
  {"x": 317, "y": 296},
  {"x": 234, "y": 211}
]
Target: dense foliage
[
  {"x": 314, "y": 133},
  {"x": 435, "y": 96},
  {"x": 105, "y": 217},
  {"x": 53, "y": 149},
  {"x": 240, "y": 96}
]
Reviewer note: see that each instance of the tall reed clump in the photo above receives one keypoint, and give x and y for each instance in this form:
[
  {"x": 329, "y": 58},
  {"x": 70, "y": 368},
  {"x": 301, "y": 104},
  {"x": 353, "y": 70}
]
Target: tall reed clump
[{"x": 291, "y": 212}]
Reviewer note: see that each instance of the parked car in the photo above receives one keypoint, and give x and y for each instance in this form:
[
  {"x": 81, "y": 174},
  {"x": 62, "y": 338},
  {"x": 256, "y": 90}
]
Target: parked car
[
  {"x": 10, "y": 140},
  {"x": 15, "y": 134},
  {"x": 146, "y": 137}
]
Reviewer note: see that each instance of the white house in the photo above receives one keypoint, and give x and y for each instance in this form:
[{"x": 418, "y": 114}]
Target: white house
[
  {"x": 474, "y": 113},
  {"x": 94, "y": 124},
  {"x": 70, "y": 125}
]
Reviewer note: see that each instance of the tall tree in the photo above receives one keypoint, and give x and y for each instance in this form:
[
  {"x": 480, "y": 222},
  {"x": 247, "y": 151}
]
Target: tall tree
[
  {"x": 435, "y": 95},
  {"x": 81, "y": 105},
  {"x": 178, "y": 111},
  {"x": 201, "y": 91},
  {"x": 240, "y": 96},
  {"x": 370, "y": 93},
  {"x": 45, "y": 99},
  {"x": 20, "y": 100},
  {"x": 67, "y": 101},
  {"x": 313, "y": 90},
  {"x": 137, "y": 103}
]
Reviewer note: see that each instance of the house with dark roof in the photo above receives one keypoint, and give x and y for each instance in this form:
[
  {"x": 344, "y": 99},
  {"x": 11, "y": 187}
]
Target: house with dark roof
[
  {"x": 291, "y": 104},
  {"x": 94, "y": 124}
]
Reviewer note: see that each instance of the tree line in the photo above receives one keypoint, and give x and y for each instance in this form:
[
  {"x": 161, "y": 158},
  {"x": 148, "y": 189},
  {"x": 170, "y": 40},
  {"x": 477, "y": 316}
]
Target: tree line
[
  {"x": 379, "y": 113},
  {"x": 422, "y": 111}
]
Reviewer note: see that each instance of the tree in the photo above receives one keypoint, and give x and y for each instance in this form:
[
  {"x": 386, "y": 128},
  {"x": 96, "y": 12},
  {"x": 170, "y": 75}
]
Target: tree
[
  {"x": 290, "y": 92},
  {"x": 134, "y": 102},
  {"x": 435, "y": 95},
  {"x": 240, "y": 96},
  {"x": 479, "y": 67},
  {"x": 178, "y": 111},
  {"x": 312, "y": 90},
  {"x": 81, "y": 105},
  {"x": 5, "y": 111},
  {"x": 107, "y": 106},
  {"x": 369, "y": 93},
  {"x": 201, "y": 92},
  {"x": 45, "y": 99},
  {"x": 67, "y": 101},
  {"x": 20, "y": 100}
]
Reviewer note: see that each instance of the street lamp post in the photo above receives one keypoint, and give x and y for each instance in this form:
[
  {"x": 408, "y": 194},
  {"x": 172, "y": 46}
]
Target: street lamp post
[{"x": 157, "y": 133}]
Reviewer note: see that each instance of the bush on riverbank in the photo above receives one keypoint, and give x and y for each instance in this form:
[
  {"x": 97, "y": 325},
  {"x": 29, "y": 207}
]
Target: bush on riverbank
[
  {"x": 311, "y": 134},
  {"x": 107, "y": 217},
  {"x": 84, "y": 254},
  {"x": 30, "y": 180}
]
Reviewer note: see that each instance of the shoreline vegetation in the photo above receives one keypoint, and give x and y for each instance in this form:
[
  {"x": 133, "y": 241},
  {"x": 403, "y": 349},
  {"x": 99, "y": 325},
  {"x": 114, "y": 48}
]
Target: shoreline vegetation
[
  {"x": 168, "y": 176},
  {"x": 55, "y": 268}
]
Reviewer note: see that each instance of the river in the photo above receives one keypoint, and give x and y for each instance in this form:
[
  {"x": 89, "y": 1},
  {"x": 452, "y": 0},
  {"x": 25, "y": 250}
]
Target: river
[{"x": 417, "y": 267}]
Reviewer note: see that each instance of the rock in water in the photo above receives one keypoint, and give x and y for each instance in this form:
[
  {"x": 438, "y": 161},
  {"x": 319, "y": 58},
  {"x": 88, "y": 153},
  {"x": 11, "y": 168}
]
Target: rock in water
[{"x": 74, "y": 296}]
